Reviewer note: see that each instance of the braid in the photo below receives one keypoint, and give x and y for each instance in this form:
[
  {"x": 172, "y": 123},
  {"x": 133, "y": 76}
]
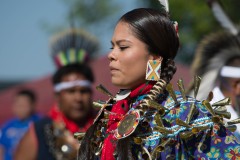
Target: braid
[
  {"x": 86, "y": 151},
  {"x": 168, "y": 70},
  {"x": 124, "y": 149}
]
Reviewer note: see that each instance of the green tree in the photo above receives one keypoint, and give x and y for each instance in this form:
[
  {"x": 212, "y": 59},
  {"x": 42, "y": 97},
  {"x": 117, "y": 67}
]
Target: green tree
[
  {"x": 195, "y": 20},
  {"x": 94, "y": 16},
  {"x": 90, "y": 12},
  {"x": 86, "y": 14}
]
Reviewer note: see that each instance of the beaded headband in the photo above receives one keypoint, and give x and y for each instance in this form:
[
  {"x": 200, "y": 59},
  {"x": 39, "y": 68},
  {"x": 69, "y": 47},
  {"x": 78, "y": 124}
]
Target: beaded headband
[
  {"x": 229, "y": 71},
  {"x": 66, "y": 85}
]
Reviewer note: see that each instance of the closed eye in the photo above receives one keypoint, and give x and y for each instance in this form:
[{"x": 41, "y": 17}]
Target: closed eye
[{"x": 123, "y": 48}]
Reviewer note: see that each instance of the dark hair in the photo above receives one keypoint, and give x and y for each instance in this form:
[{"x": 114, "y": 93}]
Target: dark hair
[
  {"x": 79, "y": 68},
  {"x": 157, "y": 31},
  {"x": 224, "y": 81},
  {"x": 27, "y": 92},
  {"x": 233, "y": 61}
]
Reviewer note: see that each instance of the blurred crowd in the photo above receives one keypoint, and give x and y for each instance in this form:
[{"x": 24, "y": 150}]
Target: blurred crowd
[{"x": 30, "y": 135}]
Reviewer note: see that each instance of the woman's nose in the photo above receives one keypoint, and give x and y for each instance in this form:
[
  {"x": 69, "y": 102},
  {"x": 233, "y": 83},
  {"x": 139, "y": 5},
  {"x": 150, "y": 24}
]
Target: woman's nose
[
  {"x": 78, "y": 96},
  {"x": 112, "y": 55}
]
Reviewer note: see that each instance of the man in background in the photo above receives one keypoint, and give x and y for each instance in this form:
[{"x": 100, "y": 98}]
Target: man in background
[
  {"x": 217, "y": 62},
  {"x": 229, "y": 86},
  {"x": 52, "y": 137},
  {"x": 24, "y": 111}
]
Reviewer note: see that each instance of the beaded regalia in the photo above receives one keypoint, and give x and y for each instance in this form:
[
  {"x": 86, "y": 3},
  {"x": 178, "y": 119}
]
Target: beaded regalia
[{"x": 160, "y": 122}]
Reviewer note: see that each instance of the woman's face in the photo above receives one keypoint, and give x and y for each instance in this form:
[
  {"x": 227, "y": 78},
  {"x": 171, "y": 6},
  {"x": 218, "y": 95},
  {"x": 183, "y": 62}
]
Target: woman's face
[{"x": 128, "y": 58}]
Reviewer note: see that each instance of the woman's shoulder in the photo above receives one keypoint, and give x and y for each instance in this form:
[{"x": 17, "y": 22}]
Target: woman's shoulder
[
  {"x": 181, "y": 107},
  {"x": 194, "y": 127}
]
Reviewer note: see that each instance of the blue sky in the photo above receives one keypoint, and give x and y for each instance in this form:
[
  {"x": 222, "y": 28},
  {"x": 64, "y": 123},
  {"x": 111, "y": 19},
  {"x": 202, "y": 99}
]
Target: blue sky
[
  {"x": 23, "y": 42},
  {"x": 24, "y": 52}
]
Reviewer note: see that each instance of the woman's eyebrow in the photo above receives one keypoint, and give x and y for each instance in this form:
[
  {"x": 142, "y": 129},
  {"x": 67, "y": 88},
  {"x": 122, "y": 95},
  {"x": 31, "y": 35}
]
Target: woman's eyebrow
[
  {"x": 123, "y": 40},
  {"x": 120, "y": 41}
]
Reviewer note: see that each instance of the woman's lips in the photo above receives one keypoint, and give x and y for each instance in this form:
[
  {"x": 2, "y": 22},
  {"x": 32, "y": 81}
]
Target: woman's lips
[{"x": 113, "y": 69}]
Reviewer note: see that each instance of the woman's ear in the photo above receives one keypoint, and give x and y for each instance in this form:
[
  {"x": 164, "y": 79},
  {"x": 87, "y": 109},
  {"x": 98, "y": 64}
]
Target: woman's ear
[{"x": 154, "y": 57}]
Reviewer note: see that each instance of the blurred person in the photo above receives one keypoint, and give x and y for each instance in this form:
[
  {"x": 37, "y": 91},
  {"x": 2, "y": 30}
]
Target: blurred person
[
  {"x": 23, "y": 109},
  {"x": 217, "y": 61},
  {"x": 52, "y": 137},
  {"x": 147, "y": 119}
]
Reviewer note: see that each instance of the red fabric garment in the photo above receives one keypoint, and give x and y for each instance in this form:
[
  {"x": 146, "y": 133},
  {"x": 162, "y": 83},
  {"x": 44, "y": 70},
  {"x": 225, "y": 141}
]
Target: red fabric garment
[
  {"x": 58, "y": 116},
  {"x": 120, "y": 108}
]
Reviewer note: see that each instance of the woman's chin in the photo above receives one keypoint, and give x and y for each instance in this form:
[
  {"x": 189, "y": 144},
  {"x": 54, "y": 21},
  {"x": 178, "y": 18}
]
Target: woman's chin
[{"x": 118, "y": 84}]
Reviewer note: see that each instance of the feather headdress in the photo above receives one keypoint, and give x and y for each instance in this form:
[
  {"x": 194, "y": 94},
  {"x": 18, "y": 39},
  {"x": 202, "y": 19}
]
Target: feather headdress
[
  {"x": 212, "y": 54},
  {"x": 165, "y": 4},
  {"x": 214, "y": 51},
  {"x": 73, "y": 46},
  {"x": 222, "y": 17}
]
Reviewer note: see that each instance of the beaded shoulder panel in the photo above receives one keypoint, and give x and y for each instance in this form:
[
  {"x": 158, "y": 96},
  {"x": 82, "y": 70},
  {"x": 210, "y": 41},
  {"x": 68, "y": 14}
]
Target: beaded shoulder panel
[{"x": 167, "y": 124}]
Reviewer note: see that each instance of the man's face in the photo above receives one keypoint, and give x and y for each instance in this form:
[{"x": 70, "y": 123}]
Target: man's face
[
  {"x": 236, "y": 85},
  {"x": 75, "y": 102},
  {"x": 231, "y": 88}
]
